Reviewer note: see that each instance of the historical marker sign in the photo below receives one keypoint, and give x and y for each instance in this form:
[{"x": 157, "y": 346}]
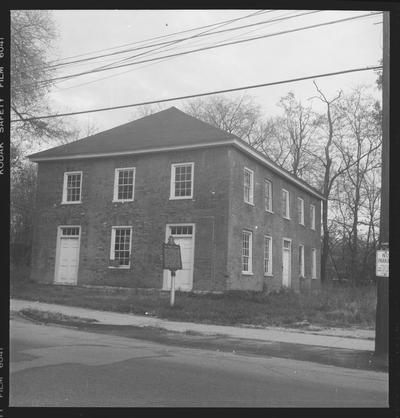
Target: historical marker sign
[
  {"x": 382, "y": 263},
  {"x": 172, "y": 257}
]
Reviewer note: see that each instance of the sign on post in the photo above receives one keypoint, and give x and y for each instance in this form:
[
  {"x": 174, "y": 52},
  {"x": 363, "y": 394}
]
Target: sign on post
[
  {"x": 382, "y": 263},
  {"x": 172, "y": 261}
]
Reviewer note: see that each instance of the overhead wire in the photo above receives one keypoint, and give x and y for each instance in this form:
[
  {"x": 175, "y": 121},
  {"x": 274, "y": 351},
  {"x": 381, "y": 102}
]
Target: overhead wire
[
  {"x": 200, "y": 94},
  {"x": 214, "y": 46}
]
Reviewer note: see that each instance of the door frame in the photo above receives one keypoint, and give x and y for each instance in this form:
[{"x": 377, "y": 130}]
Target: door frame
[
  {"x": 290, "y": 262},
  {"x": 58, "y": 254},
  {"x": 167, "y": 226}
]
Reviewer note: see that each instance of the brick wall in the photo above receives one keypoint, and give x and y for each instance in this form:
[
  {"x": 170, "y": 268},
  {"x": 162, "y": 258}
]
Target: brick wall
[
  {"x": 260, "y": 222},
  {"x": 148, "y": 214}
]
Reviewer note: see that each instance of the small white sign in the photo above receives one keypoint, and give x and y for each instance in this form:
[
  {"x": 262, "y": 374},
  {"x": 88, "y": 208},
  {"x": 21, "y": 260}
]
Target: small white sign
[{"x": 382, "y": 263}]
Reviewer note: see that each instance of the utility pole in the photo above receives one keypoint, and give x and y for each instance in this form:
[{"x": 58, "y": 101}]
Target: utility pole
[{"x": 382, "y": 308}]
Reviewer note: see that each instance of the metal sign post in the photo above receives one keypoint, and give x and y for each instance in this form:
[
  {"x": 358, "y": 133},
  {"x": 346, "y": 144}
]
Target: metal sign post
[{"x": 172, "y": 261}]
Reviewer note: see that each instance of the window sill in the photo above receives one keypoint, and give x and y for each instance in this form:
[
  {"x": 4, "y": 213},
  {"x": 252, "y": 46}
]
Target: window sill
[
  {"x": 268, "y": 275},
  {"x": 269, "y": 211},
  {"x": 247, "y": 273},
  {"x": 285, "y": 217},
  {"x": 249, "y": 203},
  {"x": 71, "y": 203},
  {"x": 123, "y": 201},
  {"x": 181, "y": 198},
  {"x": 301, "y": 224},
  {"x": 119, "y": 268}
]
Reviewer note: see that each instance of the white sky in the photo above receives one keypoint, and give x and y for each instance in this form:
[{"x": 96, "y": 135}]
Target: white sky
[{"x": 357, "y": 43}]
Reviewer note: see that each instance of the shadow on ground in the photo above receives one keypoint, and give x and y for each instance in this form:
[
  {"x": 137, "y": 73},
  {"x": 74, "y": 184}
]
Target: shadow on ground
[{"x": 354, "y": 359}]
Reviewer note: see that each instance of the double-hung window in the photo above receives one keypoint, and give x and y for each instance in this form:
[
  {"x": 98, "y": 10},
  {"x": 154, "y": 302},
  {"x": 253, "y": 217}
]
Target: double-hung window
[
  {"x": 72, "y": 189},
  {"x": 267, "y": 255},
  {"x": 300, "y": 210},
  {"x": 124, "y": 184},
  {"x": 182, "y": 181},
  {"x": 268, "y": 195},
  {"x": 312, "y": 216},
  {"x": 247, "y": 252},
  {"x": 301, "y": 260},
  {"x": 121, "y": 241},
  {"x": 285, "y": 204},
  {"x": 313, "y": 263},
  {"x": 248, "y": 186}
]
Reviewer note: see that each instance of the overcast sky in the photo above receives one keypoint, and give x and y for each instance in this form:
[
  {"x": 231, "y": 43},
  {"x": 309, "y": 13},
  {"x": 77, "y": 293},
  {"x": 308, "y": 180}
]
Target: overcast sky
[{"x": 341, "y": 46}]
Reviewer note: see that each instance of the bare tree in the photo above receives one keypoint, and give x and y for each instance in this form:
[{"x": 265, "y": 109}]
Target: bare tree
[{"x": 239, "y": 117}]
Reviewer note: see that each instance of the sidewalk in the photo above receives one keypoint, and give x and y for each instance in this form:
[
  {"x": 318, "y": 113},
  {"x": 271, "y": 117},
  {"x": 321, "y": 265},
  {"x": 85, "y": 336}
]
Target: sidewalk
[{"x": 360, "y": 340}]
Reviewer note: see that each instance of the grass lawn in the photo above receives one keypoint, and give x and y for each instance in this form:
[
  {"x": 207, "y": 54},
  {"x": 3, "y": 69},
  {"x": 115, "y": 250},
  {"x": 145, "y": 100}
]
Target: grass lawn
[{"x": 331, "y": 306}]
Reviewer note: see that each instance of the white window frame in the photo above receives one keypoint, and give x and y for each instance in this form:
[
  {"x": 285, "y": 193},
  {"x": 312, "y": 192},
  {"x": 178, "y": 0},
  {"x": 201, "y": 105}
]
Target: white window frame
[
  {"x": 313, "y": 263},
  {"x": 301, "y": 259},
  {"x": 287, "y": 214},
  {"x": 116, "y": 178},
  {"x": 312, "y": 217},
  {"x": 65, "y": 194},
  {"x": 301, "y": 201},
  {"x": 172, "y": 182},
  {"x": 269, "y": 183},
  {"x": 251, "y": 190},
  {"x": 248, "y": 272},
  {"x": 112, "y": 248},
  {"x": 269, "y": 267}
]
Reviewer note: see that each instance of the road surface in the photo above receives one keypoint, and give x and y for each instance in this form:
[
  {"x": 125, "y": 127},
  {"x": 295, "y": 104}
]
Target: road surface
[{"x": 62, "y": 367}]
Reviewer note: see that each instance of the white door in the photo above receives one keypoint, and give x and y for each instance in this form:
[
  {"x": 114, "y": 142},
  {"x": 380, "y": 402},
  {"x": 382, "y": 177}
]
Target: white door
[
  {"x": 184, "y": 237},
  {"x": 68, "y": 256},
  {"x": 286, "y": 263}
]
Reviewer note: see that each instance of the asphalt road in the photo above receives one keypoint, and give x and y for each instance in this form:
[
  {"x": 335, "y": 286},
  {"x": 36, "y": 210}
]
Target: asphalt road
[{"x": 55, "y": 366}]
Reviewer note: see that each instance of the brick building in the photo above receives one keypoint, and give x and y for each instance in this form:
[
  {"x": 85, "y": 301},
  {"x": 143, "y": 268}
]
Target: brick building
[{"x": 106, "y": 203}]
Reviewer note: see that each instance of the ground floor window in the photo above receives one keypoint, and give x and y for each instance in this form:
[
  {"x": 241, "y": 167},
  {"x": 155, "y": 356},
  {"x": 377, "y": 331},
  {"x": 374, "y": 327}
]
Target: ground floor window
[
  {"x": 121, "y": 238},
  {"x": 247, "y": 250},
  {"x": 301, "y": 260},
  {"x": 267, "y": 255},
  {"x": 313, "y": 263}
]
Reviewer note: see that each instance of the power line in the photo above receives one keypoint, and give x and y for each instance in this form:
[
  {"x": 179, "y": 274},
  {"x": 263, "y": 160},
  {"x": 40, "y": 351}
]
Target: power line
[
  {"x": 200, "y": 94},
  {"x": 211, "y": 47},
  {"x": 202, "y": 34},
  {"x": 157, "y": 62},
  {"x": 156, "y": 37}
]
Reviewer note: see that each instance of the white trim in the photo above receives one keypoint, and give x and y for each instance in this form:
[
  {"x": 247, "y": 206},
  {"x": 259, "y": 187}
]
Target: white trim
[
  {"x": 313, "y": 263},
  {"x": 301, "y": 220},
  {"x": 250, "y": 263},
  {"x": 167, "y": 234},
  {"x": 287, "y": 204},
  {"x": 235, "y": 142},
  {"x": 290, "y": 260},
  {"x": 251, "y": 191},
  {"x": 64, "y": 192},
  {"x": 312, "y": 218},
  {"x": 58, "y": 251},
  {"x": 302, "y": 266},
  {"x": 172, "y": 182},
  {"x": 270, "y": 271},
  {"x": 112, "y": 246},
  {"x": 116, "y": 177}
]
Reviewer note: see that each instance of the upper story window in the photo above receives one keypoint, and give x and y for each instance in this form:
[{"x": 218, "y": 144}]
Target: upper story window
[
  {"x": 312, "y": 216},
  {"x": 247, "y": 252},
  {"x": 267, "y": 255},
  {"x": 72, "y": 188},
  {"x": 300, "y": 210},
  {"x": 248, "y": 186},
  {"x": 121, "y": 239},
  {"x": 268, "y": 195},
  {"x": 182, "y": 181},
  {"x": 285, "y": 204},
  {"x": 124, "y": 184}
]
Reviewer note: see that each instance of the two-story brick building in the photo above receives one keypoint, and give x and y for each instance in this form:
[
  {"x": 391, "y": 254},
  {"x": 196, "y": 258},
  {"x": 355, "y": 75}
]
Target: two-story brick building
[{"x": 106, "y": 203}]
